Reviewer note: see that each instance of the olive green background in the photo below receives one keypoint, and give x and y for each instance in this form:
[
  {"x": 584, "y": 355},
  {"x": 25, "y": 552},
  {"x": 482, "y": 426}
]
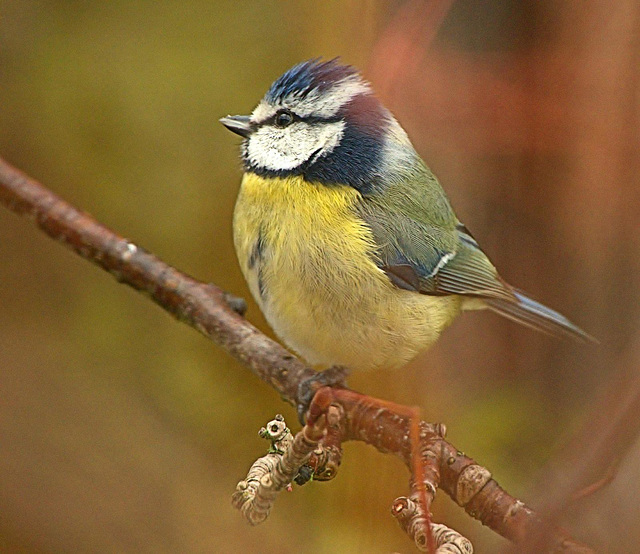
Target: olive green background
[{"x": 123, "y": 430}]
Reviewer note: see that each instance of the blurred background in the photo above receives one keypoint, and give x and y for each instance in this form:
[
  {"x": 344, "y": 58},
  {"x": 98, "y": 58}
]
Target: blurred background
[{"x": 123, "y": 430}]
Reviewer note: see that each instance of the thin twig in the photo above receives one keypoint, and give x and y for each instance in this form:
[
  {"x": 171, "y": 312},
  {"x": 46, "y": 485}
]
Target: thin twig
[
  {"x": 411, "y": 518},
  {"x": 275, "y": 471}
]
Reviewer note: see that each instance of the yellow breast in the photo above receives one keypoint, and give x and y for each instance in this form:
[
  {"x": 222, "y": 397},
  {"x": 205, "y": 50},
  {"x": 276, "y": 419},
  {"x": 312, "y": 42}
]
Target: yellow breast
[{"x": 310, "y": 263}]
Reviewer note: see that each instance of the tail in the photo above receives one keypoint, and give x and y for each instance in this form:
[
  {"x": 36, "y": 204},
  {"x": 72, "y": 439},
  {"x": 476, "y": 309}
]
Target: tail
[{"x": 535, "y": 315}]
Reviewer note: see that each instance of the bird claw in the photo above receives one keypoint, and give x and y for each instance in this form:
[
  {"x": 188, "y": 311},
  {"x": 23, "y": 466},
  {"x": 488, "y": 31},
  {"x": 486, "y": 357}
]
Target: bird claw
[{"x": 335, "y": 376}]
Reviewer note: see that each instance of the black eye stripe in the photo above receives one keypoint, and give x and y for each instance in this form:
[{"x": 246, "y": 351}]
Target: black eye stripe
[
  {"x": 271, "y": 121},
  {"x": 312, "y": 119}
]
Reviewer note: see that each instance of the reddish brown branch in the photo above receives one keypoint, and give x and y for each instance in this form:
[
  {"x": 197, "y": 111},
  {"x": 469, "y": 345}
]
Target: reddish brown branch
[
  {"x": 211, "y": 311},
  {"x": 385, "y": 426},
  {"x": 411, "y": 519},
  {"x": 420, "y": 462}
]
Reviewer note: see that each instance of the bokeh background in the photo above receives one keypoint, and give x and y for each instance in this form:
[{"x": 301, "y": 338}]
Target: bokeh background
[{"x": 122, "y": 429}]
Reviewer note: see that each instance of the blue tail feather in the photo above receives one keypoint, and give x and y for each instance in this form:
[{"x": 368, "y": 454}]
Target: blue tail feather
[{"x": 528, "y": 312}]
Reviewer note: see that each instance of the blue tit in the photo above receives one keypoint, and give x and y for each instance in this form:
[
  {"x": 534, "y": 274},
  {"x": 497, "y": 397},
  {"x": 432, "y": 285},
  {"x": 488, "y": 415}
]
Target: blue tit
[{"x": 345, "y": 237}]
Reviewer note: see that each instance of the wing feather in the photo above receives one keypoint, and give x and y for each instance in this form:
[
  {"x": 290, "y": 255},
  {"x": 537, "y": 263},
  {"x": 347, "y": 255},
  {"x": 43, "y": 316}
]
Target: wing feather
[{"x": 442, "y": 258}]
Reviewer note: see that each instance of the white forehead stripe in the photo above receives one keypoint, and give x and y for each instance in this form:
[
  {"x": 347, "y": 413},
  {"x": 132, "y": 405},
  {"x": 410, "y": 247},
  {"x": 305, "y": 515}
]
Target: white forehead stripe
[
  {"x": 328, "y": 103},
  {"x": 316, "y": 104},
  {"x": 263, "y": 112}
]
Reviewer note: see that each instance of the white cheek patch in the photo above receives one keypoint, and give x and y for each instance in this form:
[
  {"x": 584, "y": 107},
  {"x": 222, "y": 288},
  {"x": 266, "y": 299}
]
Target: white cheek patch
[{"x": 285, "y": 149}]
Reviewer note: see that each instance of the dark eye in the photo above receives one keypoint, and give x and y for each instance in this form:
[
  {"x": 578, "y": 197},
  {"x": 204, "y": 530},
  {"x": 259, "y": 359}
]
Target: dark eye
[{"x": 283, "y": 118}]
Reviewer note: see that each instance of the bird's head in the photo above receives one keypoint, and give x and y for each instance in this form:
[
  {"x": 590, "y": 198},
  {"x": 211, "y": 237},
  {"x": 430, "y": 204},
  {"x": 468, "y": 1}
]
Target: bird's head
[{"x": 319, "y": 120}]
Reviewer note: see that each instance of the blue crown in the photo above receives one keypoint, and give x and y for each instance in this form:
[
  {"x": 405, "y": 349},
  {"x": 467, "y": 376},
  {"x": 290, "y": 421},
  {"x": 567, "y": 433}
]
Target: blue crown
[{"x": 309, "y": 76}]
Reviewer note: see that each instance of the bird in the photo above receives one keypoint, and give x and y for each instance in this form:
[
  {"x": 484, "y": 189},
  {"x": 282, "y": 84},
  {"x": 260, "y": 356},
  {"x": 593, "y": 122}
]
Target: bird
[{"x": 344, "y": 235}]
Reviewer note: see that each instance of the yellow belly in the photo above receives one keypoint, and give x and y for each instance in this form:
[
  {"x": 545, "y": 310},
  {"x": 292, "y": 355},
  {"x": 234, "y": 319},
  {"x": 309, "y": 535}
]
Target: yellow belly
[{"x": 310, "y": 264}]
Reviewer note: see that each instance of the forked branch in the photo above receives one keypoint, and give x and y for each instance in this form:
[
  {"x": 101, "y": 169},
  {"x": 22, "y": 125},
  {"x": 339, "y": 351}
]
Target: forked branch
[{"x": 218, "y": 316}]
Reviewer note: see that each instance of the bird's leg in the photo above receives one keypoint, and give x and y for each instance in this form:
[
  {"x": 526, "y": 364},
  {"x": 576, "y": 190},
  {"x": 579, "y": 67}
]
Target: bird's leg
[{"x": 335, "y": 376}]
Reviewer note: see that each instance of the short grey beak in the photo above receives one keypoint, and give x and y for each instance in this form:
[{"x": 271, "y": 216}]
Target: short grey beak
[{"x": 239, "y": 124}]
